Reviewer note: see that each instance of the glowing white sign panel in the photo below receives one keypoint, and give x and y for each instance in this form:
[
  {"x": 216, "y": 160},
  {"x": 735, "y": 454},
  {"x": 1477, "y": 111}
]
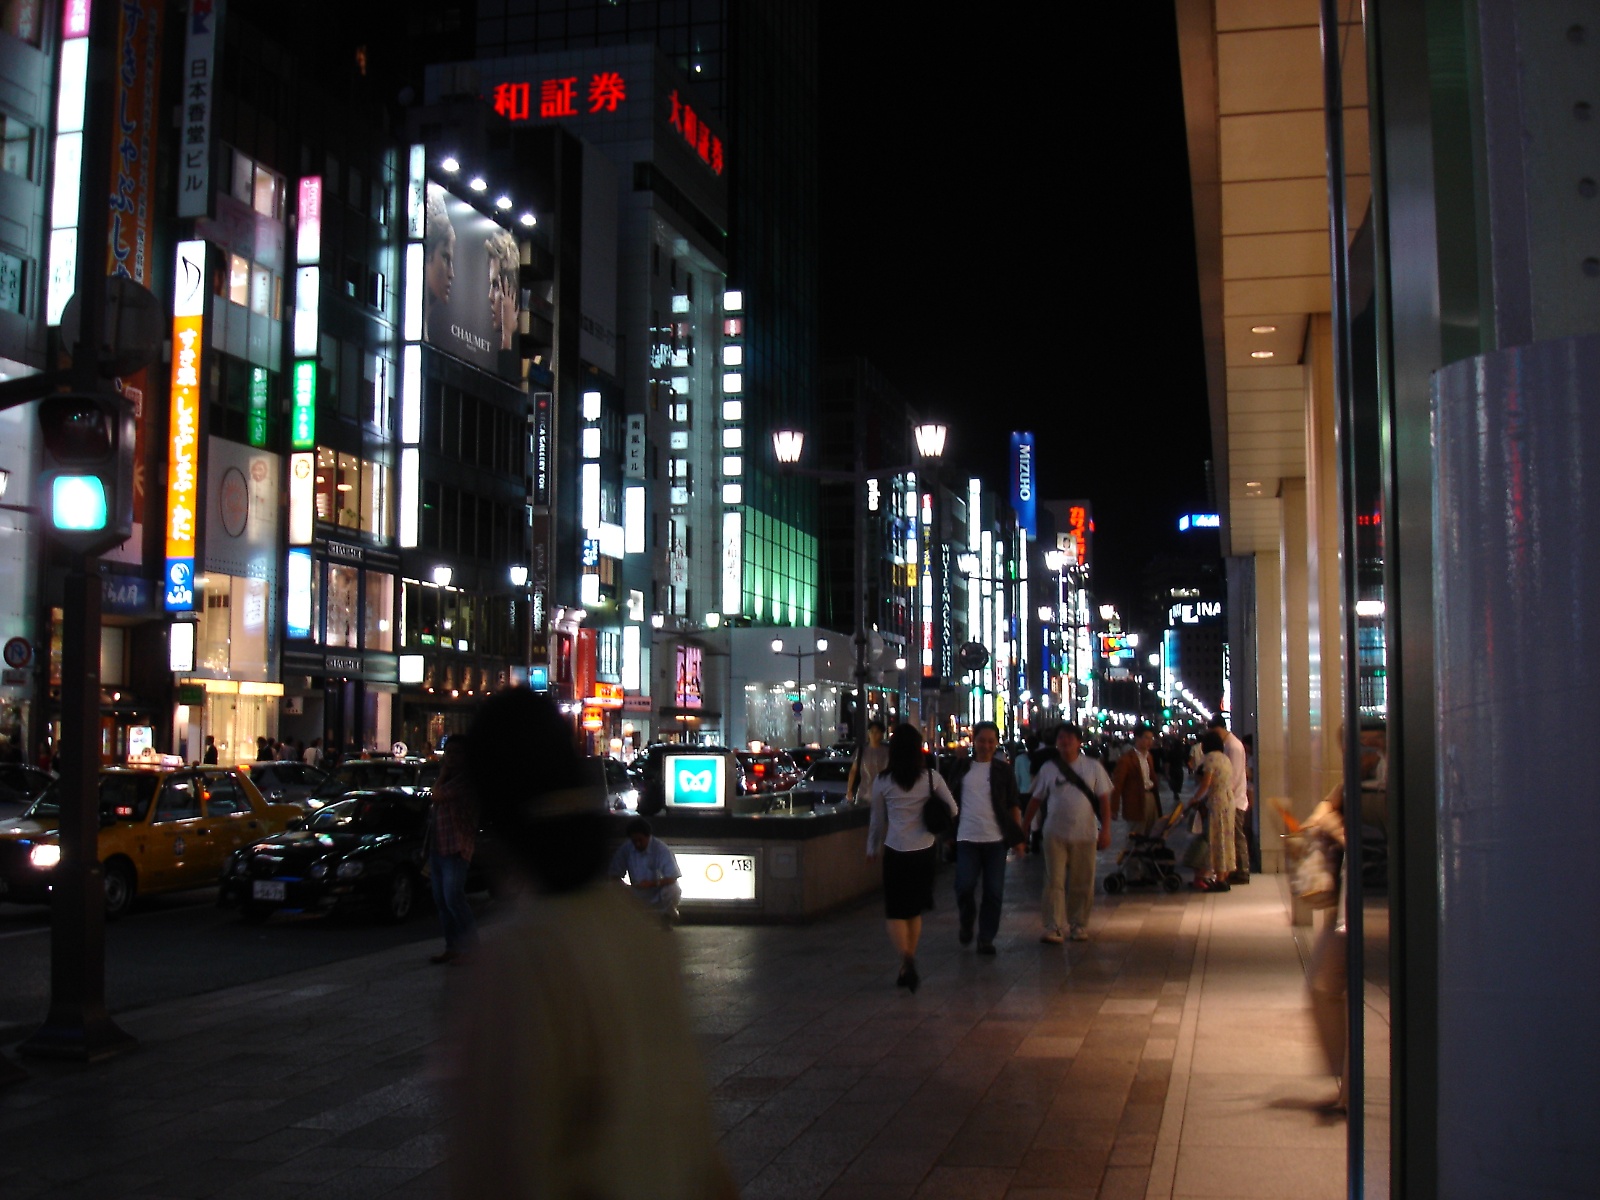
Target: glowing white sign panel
[{"x": 717, "y": 877}]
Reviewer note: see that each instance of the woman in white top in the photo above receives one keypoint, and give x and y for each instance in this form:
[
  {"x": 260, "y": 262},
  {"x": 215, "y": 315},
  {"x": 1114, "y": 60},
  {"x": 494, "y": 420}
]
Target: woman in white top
[{"x": 899, "y": 794}]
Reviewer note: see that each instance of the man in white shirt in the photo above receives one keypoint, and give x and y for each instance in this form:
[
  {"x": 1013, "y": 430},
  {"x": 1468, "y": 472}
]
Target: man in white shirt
[
  {"x": 1077, "y": 822},
  {"x": 1240, "y": 762},
  {"x": 986, "y": 790}
]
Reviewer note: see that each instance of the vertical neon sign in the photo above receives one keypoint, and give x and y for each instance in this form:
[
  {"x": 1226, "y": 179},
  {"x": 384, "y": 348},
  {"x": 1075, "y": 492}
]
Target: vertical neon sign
[{"x": 183, "y": 462}]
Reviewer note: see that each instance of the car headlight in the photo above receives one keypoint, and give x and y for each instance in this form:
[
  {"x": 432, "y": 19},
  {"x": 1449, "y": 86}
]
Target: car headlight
[
  {"x": 349, "y": 870},
  {"x": 44, "y": 855},
  {"x": 318, "y": 871},
  {"x": 630, "y": 797}
]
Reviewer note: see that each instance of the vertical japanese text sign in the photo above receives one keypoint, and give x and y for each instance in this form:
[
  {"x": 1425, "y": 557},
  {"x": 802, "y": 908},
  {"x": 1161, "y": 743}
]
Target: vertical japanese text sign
[
  {"x": 199, "y": 83},
  {"x": 183, "y": 461}
]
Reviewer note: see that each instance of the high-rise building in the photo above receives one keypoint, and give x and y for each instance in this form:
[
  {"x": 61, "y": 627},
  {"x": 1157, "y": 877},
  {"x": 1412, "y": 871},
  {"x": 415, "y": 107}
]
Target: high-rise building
[{"x": 754, "y": 65}]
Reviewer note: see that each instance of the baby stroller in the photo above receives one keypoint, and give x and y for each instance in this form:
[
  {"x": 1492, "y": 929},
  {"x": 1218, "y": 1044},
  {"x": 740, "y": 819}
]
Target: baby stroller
[{"x": 1145, "y": 860}]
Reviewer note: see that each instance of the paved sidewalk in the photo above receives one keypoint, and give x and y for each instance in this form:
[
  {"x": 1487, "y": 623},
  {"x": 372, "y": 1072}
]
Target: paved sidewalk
[{"x": 1171, "y": 1056}]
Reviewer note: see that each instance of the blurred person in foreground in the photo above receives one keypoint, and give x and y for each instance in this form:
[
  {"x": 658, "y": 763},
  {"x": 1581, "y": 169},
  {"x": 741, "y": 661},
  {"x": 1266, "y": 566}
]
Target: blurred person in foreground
[{"x": 576, "y": 1067}]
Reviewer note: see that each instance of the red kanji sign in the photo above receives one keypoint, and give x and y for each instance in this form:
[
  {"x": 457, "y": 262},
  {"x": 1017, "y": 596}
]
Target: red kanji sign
[
  {"x": 511, "y": 101},
  {"x": 556, "y": 97},
  {"x": 606, "y": 91}
]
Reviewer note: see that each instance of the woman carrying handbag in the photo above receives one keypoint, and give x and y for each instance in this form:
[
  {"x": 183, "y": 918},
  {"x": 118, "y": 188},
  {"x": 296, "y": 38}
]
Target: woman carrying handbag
[{"x": 905, "y": 831}]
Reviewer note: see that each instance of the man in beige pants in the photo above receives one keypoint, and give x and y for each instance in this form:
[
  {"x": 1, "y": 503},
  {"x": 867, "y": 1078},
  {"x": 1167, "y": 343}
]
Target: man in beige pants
[{"x": 1074, "y": 827}]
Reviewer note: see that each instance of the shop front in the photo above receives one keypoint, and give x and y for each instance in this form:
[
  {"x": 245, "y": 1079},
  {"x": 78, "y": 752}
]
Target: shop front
[{"x": 341, "y": 671}]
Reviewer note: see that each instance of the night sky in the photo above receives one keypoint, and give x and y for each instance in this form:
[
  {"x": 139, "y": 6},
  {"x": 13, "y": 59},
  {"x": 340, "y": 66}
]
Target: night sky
[{"x": 1007, "y": 236}]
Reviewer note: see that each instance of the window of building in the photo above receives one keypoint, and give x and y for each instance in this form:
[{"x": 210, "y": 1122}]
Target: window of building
[
  {"x": 343, "y": 617},
  {"x": 354, "y": 493},
  {"x": 13, "y": 282},
  {"x": 238, "y": 279},
  {"x": 16, "y": 147},
  {"x": 231, "y": 641},
  {"x": 378, "y": 625}
]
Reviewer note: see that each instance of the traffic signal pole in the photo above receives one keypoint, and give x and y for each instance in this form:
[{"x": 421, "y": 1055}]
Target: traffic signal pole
[{"x": 77, "y": 1025}]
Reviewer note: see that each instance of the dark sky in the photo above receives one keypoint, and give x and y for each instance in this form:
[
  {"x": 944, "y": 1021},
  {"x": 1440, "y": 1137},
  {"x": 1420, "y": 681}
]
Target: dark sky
[{"x": 1007, "y": 236}]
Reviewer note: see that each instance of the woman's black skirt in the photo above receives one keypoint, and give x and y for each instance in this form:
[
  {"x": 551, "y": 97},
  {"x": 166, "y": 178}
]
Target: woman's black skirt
[{"x": 908, "y": 882}]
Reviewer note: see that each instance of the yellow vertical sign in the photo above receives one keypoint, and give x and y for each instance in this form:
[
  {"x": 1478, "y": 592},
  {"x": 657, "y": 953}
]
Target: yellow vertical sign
[{"x": 183, "y": 460}]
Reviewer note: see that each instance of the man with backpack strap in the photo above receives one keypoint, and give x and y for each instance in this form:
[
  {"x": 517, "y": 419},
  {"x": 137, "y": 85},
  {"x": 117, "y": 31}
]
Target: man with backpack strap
[{"x": 1076, "y": 794}]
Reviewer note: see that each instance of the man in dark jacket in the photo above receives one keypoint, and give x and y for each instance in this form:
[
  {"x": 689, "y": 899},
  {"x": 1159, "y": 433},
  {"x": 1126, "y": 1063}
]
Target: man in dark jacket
[{"x": 990, "y": 821}]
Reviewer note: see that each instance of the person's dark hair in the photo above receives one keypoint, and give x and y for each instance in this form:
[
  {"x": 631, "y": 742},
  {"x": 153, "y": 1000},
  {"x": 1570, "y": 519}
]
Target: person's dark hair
[
  {"x": 639, "y": 825},
  {"x": 1212, "y": 741},
  {"x": 1217, "y": 721},
  {"x": 518, "y": 750},
  {"x": 1067, "y": 727},
  {"x": 878, "y": 725},
  {"x": 982, "y": 725},
  {"x": 905, "y": 756},
  {"x": 1141, "y": 729}
]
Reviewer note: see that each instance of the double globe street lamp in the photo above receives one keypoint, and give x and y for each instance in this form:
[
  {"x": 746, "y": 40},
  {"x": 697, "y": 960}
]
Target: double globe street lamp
[{"x": 787, "y": 447}]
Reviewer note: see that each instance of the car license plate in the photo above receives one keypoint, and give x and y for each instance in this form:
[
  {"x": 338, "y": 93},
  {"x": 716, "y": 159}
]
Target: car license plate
[{"x": 266, "y": 889}]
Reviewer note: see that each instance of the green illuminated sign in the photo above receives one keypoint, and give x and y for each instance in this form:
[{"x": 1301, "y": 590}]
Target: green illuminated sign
[
  {"x": 303, "y": 419},
  {"x": 258, "y": 406}
]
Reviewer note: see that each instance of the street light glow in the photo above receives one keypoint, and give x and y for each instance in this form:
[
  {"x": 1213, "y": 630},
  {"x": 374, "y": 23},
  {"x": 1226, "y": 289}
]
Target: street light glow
[
  {"x": 787, "y": 444},
  {"x": 930, "y": 439}
]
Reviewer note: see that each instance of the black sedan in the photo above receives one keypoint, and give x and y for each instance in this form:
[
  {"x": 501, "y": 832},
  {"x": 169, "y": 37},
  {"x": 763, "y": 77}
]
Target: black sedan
[
  {"x": 365, "y": 850},
  {"x": 370, "y": 775}
]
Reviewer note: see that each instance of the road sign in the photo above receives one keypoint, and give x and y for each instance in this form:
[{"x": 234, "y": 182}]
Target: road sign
[
  {"x": 18, "y": 652},
  {"x": 798, "y": 707}
]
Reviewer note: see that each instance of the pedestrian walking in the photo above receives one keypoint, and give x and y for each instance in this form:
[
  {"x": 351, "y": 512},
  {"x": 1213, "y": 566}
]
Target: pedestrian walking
[
  {"x": 452, "y": 838},
  {"x": 576, "y": 1066},
  {"x": 1073, "y": 792},
  {"x": 870, "y": 760},
  {"x": 209, "y": 757},
  {"x": 990, "y": 821},
  {"x": 313, "y": 755},
  {"x": 898, "y": 830}
]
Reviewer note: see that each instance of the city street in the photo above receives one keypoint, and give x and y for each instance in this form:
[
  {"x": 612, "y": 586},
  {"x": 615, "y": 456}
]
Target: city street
[{"x": 180, "y": 945}]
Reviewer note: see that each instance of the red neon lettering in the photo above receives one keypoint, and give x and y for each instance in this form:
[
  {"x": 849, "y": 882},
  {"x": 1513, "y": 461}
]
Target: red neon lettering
[
  {"x": 511, "y": 101},
  {"x": 556, "y": 97},
  {"x": 691, "y": 125},
  {"x": 704, "y": 148},
  {"x": 606, "y": 91},
  {"x": 677, "y": 113},
  {"x": 716, "y": 155}
]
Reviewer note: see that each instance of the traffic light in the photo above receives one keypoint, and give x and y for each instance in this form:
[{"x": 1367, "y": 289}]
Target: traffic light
[{"x": 86, "y": 477}]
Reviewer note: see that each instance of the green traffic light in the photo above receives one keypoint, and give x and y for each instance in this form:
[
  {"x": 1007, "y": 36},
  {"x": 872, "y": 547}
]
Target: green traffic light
[{"x": 78, "y": 503}]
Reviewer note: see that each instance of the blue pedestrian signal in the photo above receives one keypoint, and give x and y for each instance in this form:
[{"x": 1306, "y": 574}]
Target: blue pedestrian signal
[{"x": 86, "y": 470}]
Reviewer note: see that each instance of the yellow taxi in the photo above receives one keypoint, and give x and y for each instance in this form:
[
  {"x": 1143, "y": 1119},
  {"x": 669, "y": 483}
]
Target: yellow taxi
[{"x": 161, "y": 830}]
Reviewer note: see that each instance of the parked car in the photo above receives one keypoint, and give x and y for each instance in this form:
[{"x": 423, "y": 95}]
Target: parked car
[
  {"x": 372, "y": 775},
  {"x": 20, "y": 786},
  {"x": 160, "y": 831},
  {"x": 766, "y": 771},
  {"x": 824, "y": 783},
  {"x": 365, "y": 850},
  {"x": 284, "y": 782},
  {"x": 622, "y": 789}
]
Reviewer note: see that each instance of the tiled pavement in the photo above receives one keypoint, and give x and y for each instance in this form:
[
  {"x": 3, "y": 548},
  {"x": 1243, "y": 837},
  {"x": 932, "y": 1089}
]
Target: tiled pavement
[{"x": 1171, "y": 1056}]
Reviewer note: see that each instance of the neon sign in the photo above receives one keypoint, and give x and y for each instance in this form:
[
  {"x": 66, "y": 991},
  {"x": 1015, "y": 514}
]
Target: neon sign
[
  {"x": 1199, "y": 521},
  {"x": 603, "y": 92},
  {"x": 183, "y": 463}
]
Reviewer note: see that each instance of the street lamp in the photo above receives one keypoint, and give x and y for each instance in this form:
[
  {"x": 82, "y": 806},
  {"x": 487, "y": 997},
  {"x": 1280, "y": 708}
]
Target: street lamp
[
  {"x": 787, "y": 446},
  {"x": 800, "y": 655}
]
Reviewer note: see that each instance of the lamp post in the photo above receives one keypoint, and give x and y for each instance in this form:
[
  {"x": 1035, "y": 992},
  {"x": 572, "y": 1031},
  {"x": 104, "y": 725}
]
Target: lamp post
[
  {"x": 787, "y": 446},
  {"x": 800, "y": 655}
]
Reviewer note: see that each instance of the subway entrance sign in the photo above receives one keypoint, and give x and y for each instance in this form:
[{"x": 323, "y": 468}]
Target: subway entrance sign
[{"x": 697, "y": 781}]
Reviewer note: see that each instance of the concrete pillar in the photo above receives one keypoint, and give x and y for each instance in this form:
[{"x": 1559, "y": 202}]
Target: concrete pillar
[
  {"x": 1517, "y": 499},
  {"x": 1297, "y": 626},
  {"x": 1323, "y": 559},
  {"x": 1272, "y": 763}
]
